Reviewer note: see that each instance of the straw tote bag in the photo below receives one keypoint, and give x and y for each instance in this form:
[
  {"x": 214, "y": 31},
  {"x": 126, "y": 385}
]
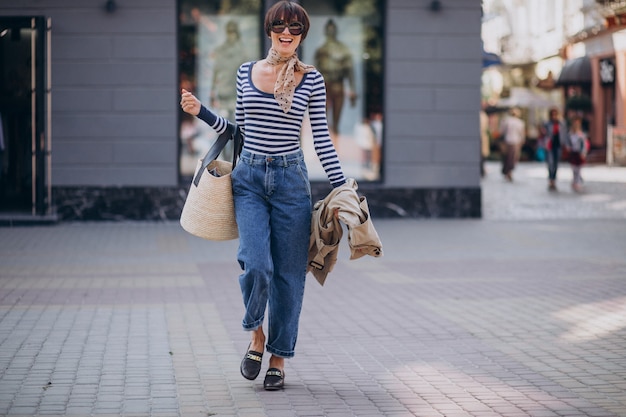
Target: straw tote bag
[{"x": 209, "y": 211}]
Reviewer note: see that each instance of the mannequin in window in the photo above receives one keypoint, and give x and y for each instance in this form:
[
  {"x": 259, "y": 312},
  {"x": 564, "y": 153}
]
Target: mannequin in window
[{"x": 334, "y": 60}]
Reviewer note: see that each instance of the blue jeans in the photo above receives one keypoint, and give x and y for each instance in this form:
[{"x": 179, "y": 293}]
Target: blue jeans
[
  {"x": 553, "y": 161},
  {"x": 272, "y": 197}
]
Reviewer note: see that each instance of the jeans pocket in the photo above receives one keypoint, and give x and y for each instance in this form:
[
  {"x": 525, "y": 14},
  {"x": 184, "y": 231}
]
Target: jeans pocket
[
  {"x": 303, "y": 173},
  {"x": 240, "y": 177}
]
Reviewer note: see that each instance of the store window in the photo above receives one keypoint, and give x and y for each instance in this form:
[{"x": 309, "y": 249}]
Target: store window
[
  {"x": 214, "y": 38},
  {"x": 344, "y": 43}
]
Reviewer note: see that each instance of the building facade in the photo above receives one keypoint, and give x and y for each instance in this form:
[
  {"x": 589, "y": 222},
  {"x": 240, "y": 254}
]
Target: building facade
[
  {"x": 92, "y": 130},
  {"x": 569, "y": 54}
]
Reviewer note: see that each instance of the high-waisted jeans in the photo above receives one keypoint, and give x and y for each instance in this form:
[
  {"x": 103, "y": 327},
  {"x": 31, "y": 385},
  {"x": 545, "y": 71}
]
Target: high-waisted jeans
[{"x": 272, "y": 197}]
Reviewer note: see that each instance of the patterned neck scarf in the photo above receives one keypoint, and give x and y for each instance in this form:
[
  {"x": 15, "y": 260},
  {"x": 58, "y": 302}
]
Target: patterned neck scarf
[{"x": 286, "y": 82}]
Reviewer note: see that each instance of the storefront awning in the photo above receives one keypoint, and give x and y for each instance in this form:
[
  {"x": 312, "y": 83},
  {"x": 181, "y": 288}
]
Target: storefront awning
[
  {"x": 490, "y": 59},
  {"x": 576, "y": 71}
]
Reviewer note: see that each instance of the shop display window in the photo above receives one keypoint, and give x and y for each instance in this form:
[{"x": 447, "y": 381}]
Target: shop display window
[{"x": 344, "y": 43}]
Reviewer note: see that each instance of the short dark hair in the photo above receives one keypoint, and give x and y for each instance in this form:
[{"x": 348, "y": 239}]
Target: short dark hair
[{"x": 289, "y": 12}]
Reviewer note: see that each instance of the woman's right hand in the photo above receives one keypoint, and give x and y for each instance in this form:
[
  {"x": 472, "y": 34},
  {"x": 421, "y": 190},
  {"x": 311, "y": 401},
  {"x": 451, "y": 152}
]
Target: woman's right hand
[{"x": 189, "y": 103}]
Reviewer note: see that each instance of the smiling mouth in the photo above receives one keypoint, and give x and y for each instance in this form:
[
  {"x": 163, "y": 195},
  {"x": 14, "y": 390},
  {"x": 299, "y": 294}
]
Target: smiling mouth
[{"x": 285, "y": 40}]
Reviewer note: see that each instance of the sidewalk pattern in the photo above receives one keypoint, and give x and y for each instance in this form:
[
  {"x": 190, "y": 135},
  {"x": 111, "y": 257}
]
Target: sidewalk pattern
[
  {"x": 506, "y": 316},
  {"x": 526, "y": 198}
]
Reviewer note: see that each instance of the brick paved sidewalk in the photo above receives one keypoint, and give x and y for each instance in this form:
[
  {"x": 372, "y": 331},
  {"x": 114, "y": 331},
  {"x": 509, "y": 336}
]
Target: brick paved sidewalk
[
  {"x": 459, "y": 318},
  {"x": 527, "y": 197}
]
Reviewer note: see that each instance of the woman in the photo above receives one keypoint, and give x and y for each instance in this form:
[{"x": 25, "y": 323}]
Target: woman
[
  {"x": 578, "y": 147},
  {"x": 271, "y": 188}
]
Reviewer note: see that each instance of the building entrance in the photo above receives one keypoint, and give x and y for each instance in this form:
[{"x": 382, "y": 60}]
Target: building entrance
[{"x": 25, "y": 118}]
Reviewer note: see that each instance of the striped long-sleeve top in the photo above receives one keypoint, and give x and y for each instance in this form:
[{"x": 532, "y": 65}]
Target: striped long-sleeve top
[{"x": 268, "y": 130}]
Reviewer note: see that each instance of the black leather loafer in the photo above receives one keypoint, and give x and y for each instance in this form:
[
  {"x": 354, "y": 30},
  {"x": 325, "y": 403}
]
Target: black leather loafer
[
  {"x": 251, "y": 364},
  {"x": 274, "y": 379}
]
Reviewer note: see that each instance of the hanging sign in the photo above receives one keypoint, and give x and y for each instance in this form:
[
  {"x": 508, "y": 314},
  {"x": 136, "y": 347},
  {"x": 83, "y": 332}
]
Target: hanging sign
[{"x": 607, "y": 71}]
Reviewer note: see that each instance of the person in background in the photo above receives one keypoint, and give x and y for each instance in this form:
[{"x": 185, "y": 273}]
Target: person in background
[
  {"x": 578, "y": 146},
  {"x": 271, "y": 188},
  {"x": 485, "y": 144},
  {"x": 513, "y": 134},
  {"x": 554, "y": 134}
]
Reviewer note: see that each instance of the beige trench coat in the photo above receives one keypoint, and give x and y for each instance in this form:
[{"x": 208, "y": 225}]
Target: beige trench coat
[{"x": 326, "y": 230}]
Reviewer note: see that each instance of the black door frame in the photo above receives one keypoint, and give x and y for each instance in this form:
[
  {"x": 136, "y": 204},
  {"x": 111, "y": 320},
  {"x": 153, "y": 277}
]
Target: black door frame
[{"x": 40, "y": 103}]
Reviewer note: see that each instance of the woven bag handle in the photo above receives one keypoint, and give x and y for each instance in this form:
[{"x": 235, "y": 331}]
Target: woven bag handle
[{"x": 232, "y": 132}]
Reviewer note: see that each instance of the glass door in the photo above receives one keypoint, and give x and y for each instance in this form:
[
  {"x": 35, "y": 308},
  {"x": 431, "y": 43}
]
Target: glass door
[{"x": 25, "y": 143}]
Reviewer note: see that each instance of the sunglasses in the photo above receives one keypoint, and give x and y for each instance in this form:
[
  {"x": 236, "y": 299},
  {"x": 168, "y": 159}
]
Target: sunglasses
[{"x": 295, "y": 28}]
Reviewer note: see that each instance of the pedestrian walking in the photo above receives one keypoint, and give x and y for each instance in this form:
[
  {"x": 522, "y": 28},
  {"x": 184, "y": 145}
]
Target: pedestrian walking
[
  {"x": 271, "y": 189},
  {"x": 577, "y": 147},
  {"x": 513, "y": 132},
  {"x": 485, "y": 142},
  {"x": 554, "y": 133}
]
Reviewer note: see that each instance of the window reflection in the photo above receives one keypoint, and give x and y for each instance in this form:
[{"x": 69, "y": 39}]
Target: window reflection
[
  {"x": 215, "y": 38},
  {"x": 344, "y": 43}
]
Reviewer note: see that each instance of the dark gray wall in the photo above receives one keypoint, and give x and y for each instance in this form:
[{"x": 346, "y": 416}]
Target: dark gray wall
[
  {"x": 114, "y": 91},
  {"x": 433, "y": 69}
]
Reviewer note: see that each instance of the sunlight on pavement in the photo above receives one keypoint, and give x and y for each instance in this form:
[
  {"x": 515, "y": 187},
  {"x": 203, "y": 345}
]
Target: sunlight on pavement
[
  {"x": 596, "y": 198},
  {"x": 593, "y": 321},
  {"x": 618, "y": 205},
  {"x": 438, "y": 381}
]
